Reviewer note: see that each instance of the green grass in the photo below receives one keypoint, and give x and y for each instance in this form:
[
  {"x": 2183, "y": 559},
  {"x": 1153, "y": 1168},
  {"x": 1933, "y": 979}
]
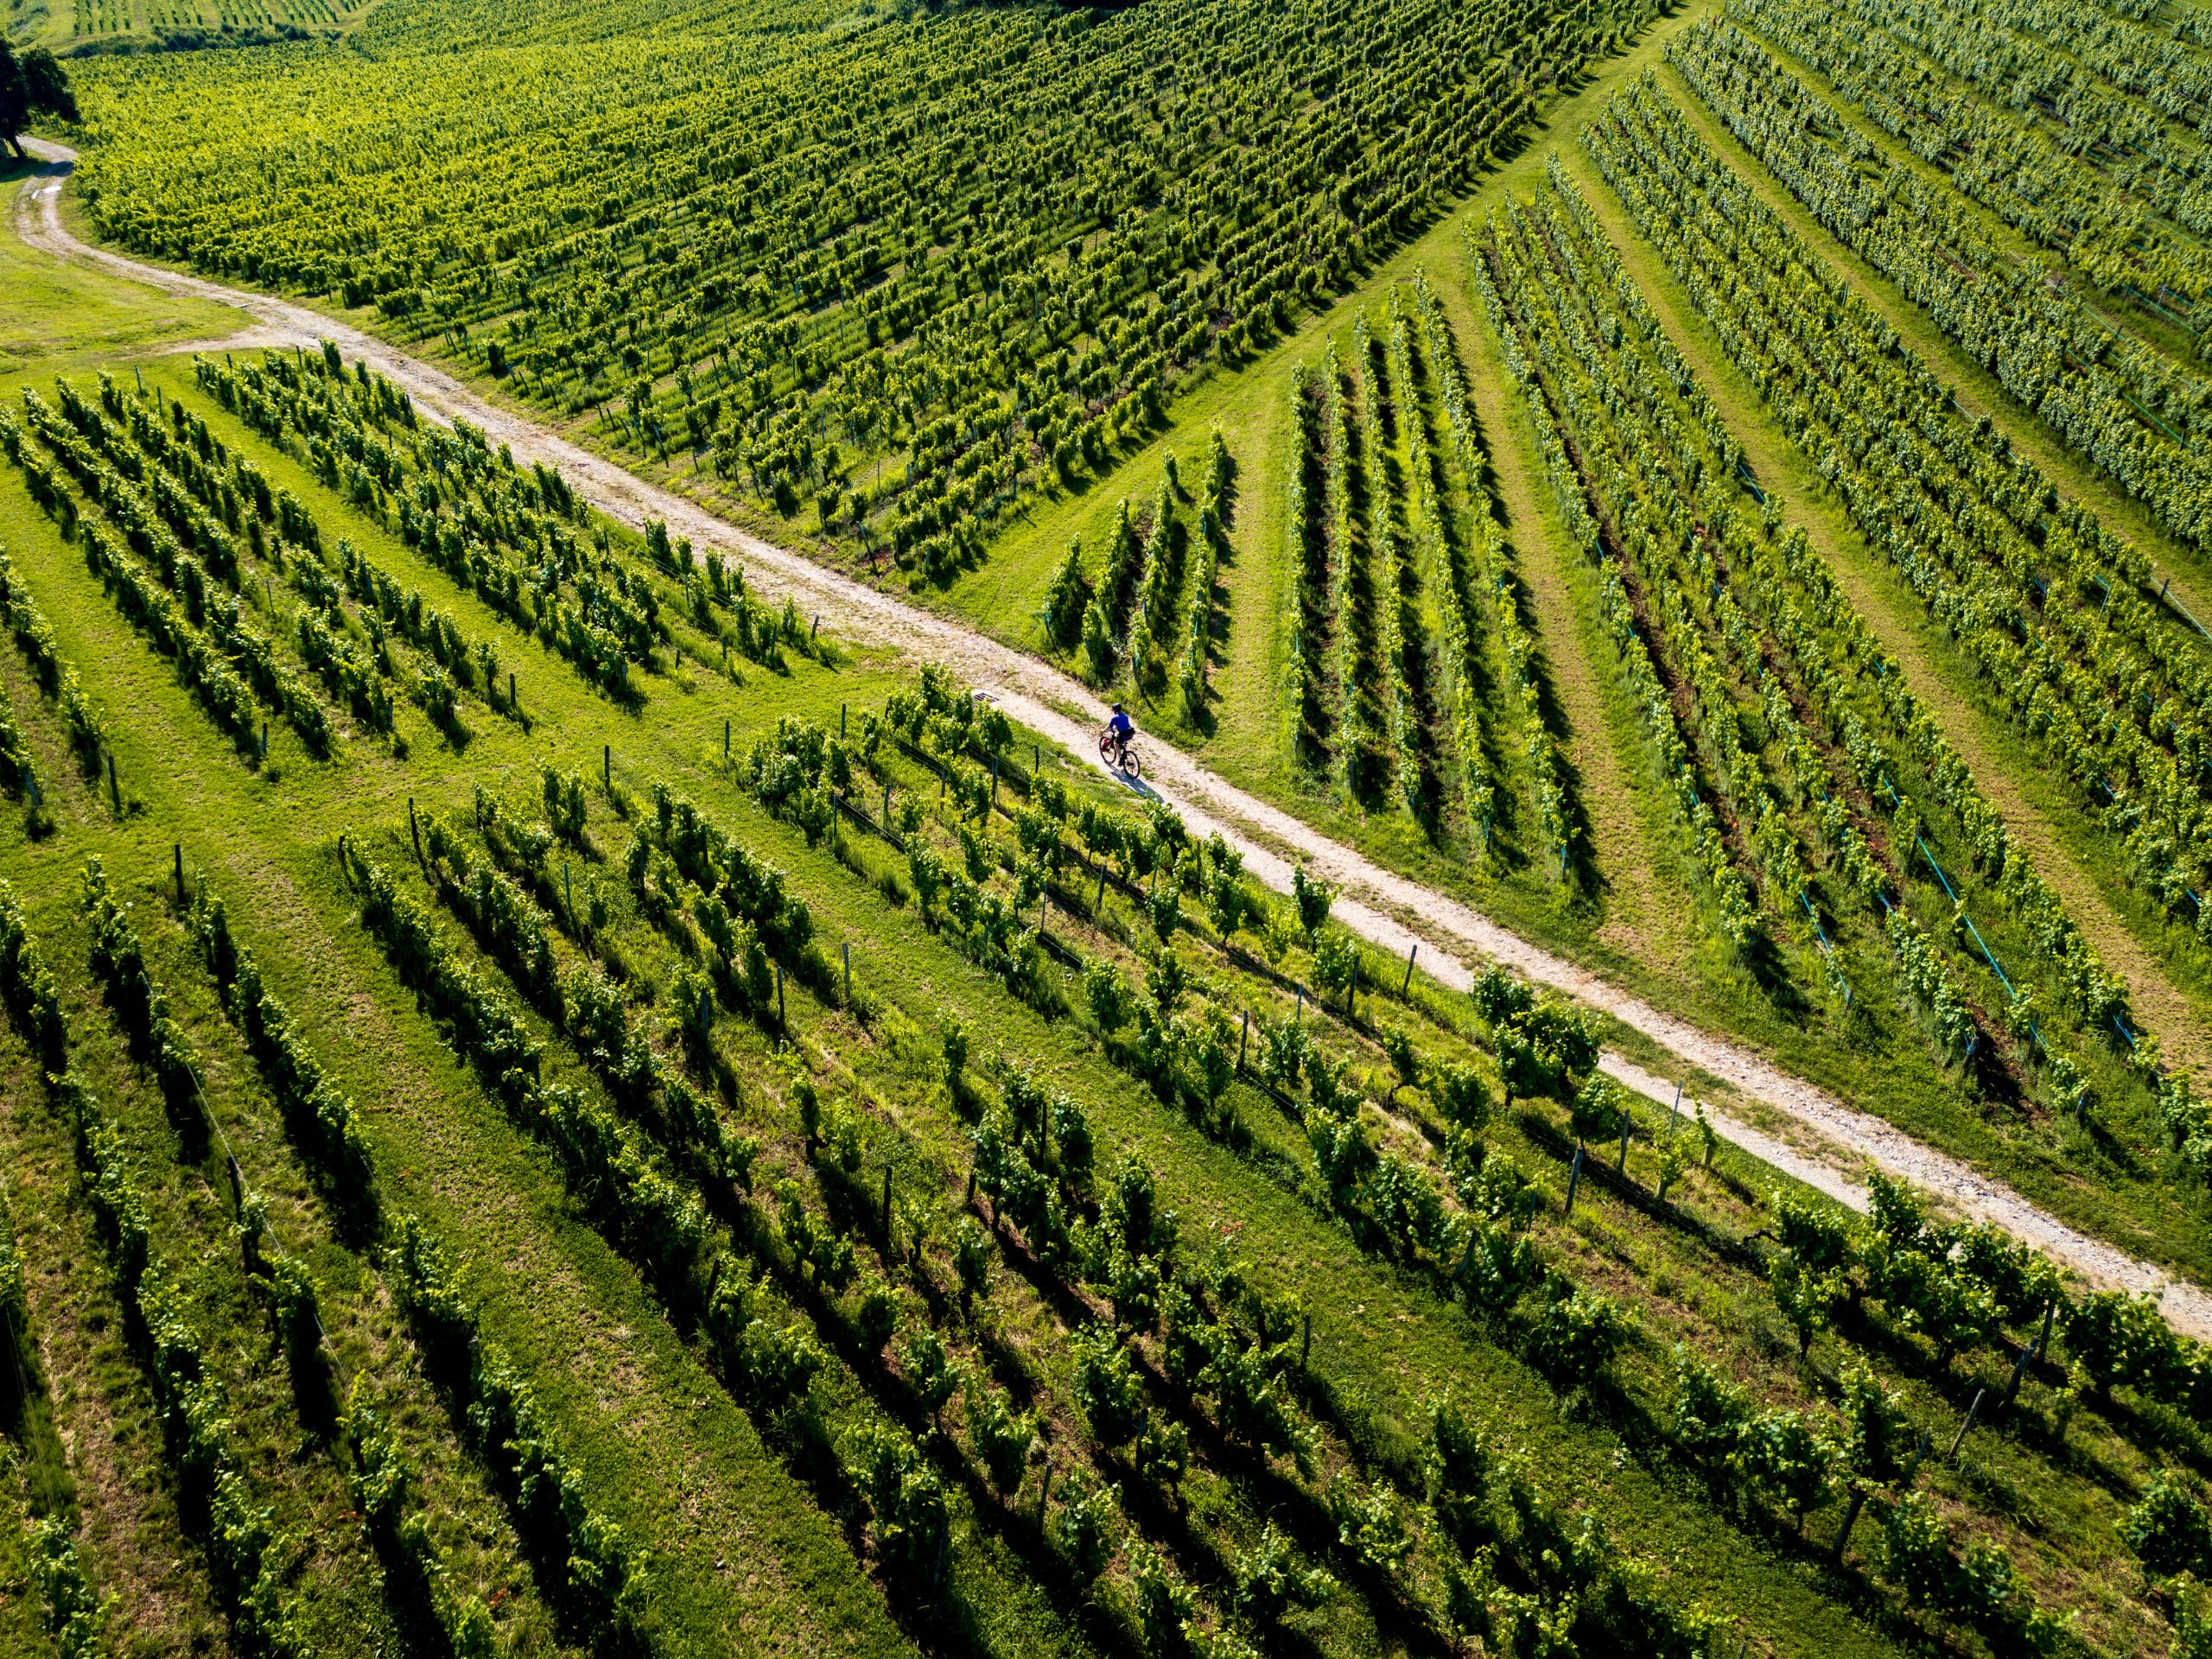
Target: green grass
[
  {"x": 628, "y": 1389},
  {"x": 748, "y": 1558},
  {"x": 1634, "y": 919},
  {"x": 626, "y": 1385},
  {"x": 564, "y": 1304},
  {"x": 59, "y": 313},
  {"x": 1638, "y": 922}
]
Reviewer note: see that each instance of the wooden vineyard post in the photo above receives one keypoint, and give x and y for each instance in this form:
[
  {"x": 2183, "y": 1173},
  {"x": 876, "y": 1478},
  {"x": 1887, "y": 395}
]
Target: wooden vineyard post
[
  {"x": 1351, "y": 991},
  {"x": 606, "y": 767},
  {"x": 414, "y": 829},
  {"x": 1305, "y": 1343},
  {"x": 114, "y": 784},
  {"x": 886, "y": 809},
  {"x": 1965, "y": 1426},
  {"x": 2027, "y": 1357},
  {"x": 783, "y": 1025},
  {"x": 1850, "y": 1520},
  {"x": 265, "y": 739},
  {"x": 1098, "y": 904},
  {"x": 848, "y": 949},
  {"x": 180, "y": 874},
  {"x": 1628, "y": 1122},
  {"x": 1920, "y": 1451},
  {"x": 993, "y": 806},
  {"x": 514, "y": 702},
  {"x": 1574, "y": 1180},
  {"x": 1044, "y": 1491},
  {"x": 725, "y": 742},
  {"x": 1244, "y": 1040},
  {"x": 1407, "y": 989},
  {"x": 841, "y": 721}
]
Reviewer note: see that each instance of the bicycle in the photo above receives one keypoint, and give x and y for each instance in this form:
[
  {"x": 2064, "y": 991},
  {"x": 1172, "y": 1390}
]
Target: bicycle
[{"x": 1122, "y": 757}]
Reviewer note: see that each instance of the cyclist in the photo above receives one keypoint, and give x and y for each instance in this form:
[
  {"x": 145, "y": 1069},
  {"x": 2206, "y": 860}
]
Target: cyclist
[{"x": 1119, "y": 730}]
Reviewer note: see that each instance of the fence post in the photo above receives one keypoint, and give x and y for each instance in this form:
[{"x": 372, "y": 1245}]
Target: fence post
[
  {"x": 1405, "y": 989},
  {"x": 841, "y": 719},
  {"x": 1305, "y": 1343},
  {"x": 724, "y": 739},
  {"x": 1244, "y": 1040},
  {"x": 1628, "y": 1122},
  {"x": 606, "y": 767},
  {"x": 414, "y": 829},
  {"x": 115, "y": 787},
  {"x": 179, "y": 873},
  {"x": 1574, "y": 1180}
]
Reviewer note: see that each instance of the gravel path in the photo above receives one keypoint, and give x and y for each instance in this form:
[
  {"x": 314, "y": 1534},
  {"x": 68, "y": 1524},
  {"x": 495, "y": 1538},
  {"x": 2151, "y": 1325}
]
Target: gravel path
[{"x": 1832, "y": 1142}]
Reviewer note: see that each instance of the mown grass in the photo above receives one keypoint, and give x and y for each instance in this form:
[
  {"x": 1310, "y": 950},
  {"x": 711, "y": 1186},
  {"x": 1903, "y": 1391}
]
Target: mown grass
[{"x": 58, "y": 313}]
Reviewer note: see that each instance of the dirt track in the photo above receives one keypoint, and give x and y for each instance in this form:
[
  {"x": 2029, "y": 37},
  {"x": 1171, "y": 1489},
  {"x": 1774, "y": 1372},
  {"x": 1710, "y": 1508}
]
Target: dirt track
[{"x": 1834, "y": 1139}]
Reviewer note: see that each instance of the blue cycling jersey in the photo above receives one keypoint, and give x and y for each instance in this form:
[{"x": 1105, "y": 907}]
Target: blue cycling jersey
[{"x": 1122, "y": 726}]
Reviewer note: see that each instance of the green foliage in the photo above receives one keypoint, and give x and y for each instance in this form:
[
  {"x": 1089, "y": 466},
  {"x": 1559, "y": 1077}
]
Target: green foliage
[
  {"x": 2168, "y": 1529},
  {"x": 1575, "y": 1336},
  {"x": 1085, "y": 1524}
]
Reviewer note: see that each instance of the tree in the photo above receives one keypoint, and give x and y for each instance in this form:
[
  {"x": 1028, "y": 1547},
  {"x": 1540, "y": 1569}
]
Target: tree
[{"x": 32, "y": 83}]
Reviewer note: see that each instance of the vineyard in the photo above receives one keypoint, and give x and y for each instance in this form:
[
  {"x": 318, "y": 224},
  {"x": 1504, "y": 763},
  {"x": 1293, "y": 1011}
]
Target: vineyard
[
  {"x": 591, "y": 1065},
  {"x": 89, "y": 27}
]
